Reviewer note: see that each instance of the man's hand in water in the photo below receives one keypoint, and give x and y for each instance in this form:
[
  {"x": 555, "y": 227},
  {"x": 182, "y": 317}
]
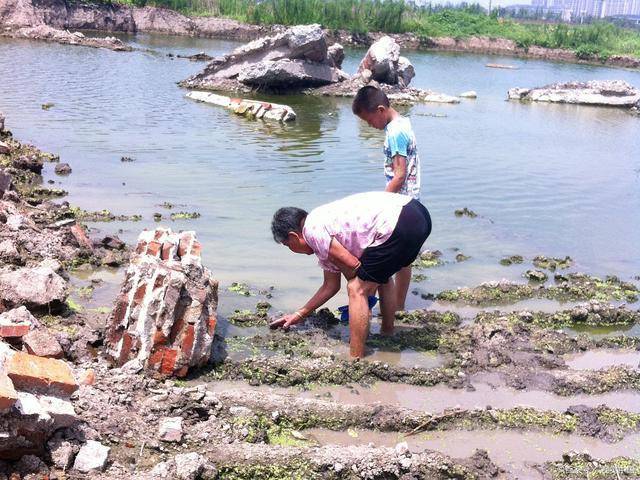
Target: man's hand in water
[{"x": 286, "y": 321}]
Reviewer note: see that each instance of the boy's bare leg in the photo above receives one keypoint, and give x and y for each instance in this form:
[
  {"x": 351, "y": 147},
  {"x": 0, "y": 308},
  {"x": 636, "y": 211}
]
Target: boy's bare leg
[
  {"x": 388, "y": 309},
  {"x": 359, "y": 290},
  {"x": 402, "y": 279}
]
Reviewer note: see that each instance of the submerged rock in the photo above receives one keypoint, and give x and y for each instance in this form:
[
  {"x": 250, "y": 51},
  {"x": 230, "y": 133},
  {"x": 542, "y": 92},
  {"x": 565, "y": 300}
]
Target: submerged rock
[
  {"x": 613, "y": 93},
  {"x": 247, "y": 108},
  {"x": 165, "y": 315}
]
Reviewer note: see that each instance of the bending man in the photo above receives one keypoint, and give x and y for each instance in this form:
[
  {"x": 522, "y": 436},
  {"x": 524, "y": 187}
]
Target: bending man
[{"x": 367, "y": 237}]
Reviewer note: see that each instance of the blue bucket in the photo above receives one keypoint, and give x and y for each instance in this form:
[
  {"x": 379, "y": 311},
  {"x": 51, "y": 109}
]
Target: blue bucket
[{"x": 344, "y": 310}]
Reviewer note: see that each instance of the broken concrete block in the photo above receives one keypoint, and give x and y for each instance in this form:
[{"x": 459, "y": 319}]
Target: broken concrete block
[
  {"x": 191, "y": 466},
  {"x": 43, "y": 408},
  {"x": 16, "y": 323},
  {"x": 165, "y": 314},
  {"x": 38, "y": 287},
  {"x": 47, "y": 375},
  {"x": 41, "y": 343},
  {"x": 246, "y": 108},
  {"x": 170, "y": 429},
  {"x": 91, "y": 457}
]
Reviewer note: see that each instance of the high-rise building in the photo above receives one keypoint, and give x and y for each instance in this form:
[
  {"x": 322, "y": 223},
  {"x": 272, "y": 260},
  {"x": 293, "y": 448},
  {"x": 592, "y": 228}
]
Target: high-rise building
[{"x": 590, "y": 8}]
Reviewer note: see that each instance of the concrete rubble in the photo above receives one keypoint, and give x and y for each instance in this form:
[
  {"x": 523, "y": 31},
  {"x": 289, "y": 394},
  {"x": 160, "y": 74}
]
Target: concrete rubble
[
  {"x": 246, "y": 108},
  {"x": 610, "y": 93},
  {"x": 165, "y": 315}
]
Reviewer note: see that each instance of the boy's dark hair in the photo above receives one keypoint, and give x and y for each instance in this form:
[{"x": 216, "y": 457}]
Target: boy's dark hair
[
  {"x": 285, "y": 220},
  {"x": 367, "y": 100}
]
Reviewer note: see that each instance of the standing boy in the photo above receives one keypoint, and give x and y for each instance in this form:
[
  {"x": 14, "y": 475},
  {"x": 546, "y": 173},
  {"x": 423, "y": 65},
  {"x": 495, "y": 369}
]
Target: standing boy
[{"x": 401, "y": 165}]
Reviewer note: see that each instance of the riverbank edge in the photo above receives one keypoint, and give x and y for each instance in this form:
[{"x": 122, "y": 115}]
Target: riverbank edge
[{"x": 62, "y": 14}]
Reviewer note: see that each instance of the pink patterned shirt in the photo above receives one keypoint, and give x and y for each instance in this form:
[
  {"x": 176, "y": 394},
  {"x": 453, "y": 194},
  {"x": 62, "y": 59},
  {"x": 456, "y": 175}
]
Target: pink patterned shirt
[{"x": 357, "y": 222}]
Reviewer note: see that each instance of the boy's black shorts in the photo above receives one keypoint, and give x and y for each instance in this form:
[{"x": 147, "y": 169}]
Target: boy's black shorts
[{"x": 401, "y": 248}]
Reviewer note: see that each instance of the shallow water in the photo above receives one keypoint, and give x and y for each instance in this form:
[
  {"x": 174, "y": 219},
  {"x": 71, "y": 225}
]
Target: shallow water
[
  {"x": 514, "y": 451},
  {"x": 604, "y": 358},
  {"x": 545, "y": 179}
]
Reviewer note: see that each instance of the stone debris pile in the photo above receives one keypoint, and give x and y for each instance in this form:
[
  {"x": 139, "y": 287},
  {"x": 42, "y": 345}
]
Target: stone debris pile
[
  {"x": 295, "y": 59},
  {"x": 165, "y": 315},
  {"x": 611, "y": 93},
  {"x": 247, "y": 108}
]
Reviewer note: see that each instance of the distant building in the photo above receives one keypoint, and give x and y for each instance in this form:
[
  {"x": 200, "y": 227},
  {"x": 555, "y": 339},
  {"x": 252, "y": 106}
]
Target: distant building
[{"x": 576, "y": 9}]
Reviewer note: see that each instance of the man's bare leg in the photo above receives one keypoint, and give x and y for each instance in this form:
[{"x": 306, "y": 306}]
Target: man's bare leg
[
  {"x": 359, "y": 291},
  {"x": 403, "y": 280},
  {"x": 388, "y": 309}
]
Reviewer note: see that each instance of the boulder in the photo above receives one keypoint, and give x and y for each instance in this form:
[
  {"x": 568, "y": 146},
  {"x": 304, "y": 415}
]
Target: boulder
[
  {"x": 63, "y": 169},
  {"x": 406, "y": 72},
  {"x": 32, "y": 163},
  {"x": 5, "y": 149},
  {"x": 299, "y": 56},
  {"x": 289, "y": 74},
  {"x": 613, "y": 93},
  {"x": 165, "y": 315},
  {"x": 382, "y": 60},
  {"x": 336, "y": 54},
  {"x": 37, "y": 288}
]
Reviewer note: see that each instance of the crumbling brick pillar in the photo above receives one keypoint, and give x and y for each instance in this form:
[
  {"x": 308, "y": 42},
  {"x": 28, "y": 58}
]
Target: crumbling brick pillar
[{"x": 165, "y": 314}]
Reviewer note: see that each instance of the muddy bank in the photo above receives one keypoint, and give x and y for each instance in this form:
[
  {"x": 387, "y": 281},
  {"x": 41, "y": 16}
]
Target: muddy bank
[{"x": 64, "y": 14}]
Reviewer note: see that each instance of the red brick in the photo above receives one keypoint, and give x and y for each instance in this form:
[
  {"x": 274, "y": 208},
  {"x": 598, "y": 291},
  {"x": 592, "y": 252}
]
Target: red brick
[
  {"x": 142, "y": 245},
  {"x": 140, "y": 292},
  {"x": 154, "y": 248},
  {"x": 213, "y": 320},
  {"x": 158, "y": 234},
  {"x": 125, "y": 350},
  {"x": 159, "y": 338},
  {"x": 187, "y": 341},
  {"x": 159, "y": 281},
  {"x": 81, "y": 237},
  {"x": 182, "y": 372},
  {"x": 30, "y": 372},
  {"x": 120, "y": 310},
  {"x": 166, "y": 250},
  {"x": 183, "y": 247},
  {"x": 155, "y": 359},
  {"x": 168, "y": 361},
  {"x": 266, "y": 106},
  {"x": 15, "y": 330},
  {"x": 8, "y": 394}
]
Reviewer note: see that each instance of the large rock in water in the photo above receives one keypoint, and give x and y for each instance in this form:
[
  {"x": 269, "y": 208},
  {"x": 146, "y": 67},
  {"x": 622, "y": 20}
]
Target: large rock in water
[
  {"x": 299, "y": 56},
  {"x": 382, "y": 60},
  {"x": 290, "y": 74},
  {"x": 615, "y": 93},
  {"x": 165, "y": 315}
]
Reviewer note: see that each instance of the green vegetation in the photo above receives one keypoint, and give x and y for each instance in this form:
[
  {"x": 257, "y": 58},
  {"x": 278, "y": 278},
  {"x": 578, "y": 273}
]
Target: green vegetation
[{"x": 597, "y": 41}]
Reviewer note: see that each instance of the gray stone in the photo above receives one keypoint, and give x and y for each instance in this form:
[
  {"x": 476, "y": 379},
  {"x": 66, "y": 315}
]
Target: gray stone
[
  {"x": 405, "y": 72},
  {"x": 5, "y": 149},
  {"x": 1, "y": 122},
  {"x": 382, "y": 60},
  {"x": 41, "y": 343},
  {"x": 290, "y": 74},
  {"x": 170, "y": 429},
  {"x": 469, "y": 94},
  {"x": 191, "y": 466},
  {"x": 32, "y": 163},
  {"x": 63, "y": 169},
  {"x": 8, "y": 251},
  {"x": 37, "y": 288},
  {"x": 92, "y": 456},
  {"x": 6, "y": 183},
  {"x": 19, "y": 315},
  {"x": 613, "y": 93},
  {"x": 336, "y": 54},
  {"x": 62, "y": 453}
]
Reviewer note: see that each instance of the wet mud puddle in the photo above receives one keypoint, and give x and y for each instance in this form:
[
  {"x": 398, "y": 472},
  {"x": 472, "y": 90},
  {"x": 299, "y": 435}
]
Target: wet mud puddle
[
  {"x": 516, "y": 452},
  {"x": 603, "y": 358}
]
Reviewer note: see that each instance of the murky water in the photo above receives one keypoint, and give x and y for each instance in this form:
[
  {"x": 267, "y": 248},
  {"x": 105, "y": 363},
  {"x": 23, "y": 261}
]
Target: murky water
[
  {"x": 547, "y": 179},
  {"x": 605, "y": 358},
  {"x": 514, "y": 451}
]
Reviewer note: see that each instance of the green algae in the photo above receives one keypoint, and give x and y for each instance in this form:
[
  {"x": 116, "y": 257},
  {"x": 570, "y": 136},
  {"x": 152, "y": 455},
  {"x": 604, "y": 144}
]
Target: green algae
[
  {"x": 101, "y": 216},
  {"x": 428, "y": 259},
  {"x": 292, "y": 470},
  {"x": 419, "y": 277},
  {"x": 184, "y": 215},
  {"x": 465, "y": 212},
  {"x": 552, "y": 263},
  {"x": 536, "y": 276},
  {"x": 513, "y": 259},
  {"x": 581, "y": 466},
  {"x": 423, "y": 317},
  {"x": 240, "y": 289}
]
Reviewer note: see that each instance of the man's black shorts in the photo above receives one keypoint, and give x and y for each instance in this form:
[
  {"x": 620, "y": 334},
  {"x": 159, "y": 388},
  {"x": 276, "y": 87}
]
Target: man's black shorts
[{"x": 401, "y": 248}]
